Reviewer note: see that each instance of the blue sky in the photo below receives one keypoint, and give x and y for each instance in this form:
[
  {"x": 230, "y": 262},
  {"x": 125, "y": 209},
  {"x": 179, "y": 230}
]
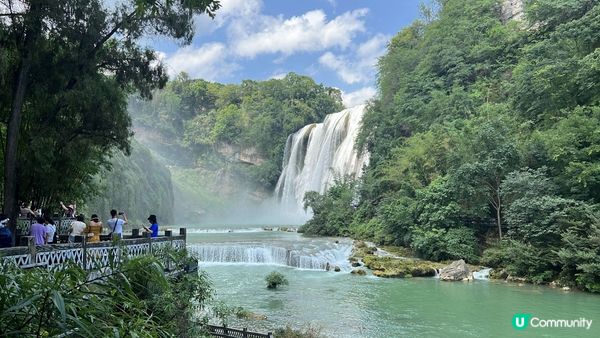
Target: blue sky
[{"x": 336, "y": 42}]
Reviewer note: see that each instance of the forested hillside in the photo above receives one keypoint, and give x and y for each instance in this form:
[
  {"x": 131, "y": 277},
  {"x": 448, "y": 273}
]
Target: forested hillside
[
  {"x": 224, "y": 143},
  {"x": 485, "y": 142}
]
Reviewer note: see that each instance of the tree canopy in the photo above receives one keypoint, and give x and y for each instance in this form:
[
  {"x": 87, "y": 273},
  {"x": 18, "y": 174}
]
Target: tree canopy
[{"x": 67, "y": 68}]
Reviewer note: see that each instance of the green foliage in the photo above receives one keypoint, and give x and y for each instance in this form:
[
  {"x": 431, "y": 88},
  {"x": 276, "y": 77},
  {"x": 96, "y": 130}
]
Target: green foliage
[
  {"x": 137, "y": 299},
  {"x": 438, "y": 244},
  {"x": 579, "y": 255},
  {"x": 75, "y": 63},
  {"x": 275, "y": 279},
  {"x": 332, "y": 212}
]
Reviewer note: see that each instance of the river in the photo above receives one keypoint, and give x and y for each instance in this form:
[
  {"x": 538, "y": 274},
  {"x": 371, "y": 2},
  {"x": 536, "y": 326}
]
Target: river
[{"x": 237, "y": 259}]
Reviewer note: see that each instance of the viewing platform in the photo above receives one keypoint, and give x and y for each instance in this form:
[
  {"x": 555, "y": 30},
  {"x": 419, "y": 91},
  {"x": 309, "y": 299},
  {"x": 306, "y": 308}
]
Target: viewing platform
[{"x": 87, "y": 255}]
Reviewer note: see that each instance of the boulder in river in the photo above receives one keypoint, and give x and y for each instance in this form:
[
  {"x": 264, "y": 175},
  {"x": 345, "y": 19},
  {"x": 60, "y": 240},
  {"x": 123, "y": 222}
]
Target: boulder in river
[
  {"x": 457, "y": 270},
  {"x": 359, "y": 272},
  {"x": 337, "y": 269},
  {"x": 355, "y": 264}
]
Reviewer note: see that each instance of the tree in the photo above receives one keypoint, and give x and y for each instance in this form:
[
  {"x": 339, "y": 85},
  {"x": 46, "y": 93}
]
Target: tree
[{"x": 74, "y": 46}]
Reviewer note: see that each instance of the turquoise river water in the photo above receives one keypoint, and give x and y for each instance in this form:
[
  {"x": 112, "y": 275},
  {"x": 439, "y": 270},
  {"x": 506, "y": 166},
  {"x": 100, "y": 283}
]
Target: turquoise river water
[{"x": 237, "y": 259}]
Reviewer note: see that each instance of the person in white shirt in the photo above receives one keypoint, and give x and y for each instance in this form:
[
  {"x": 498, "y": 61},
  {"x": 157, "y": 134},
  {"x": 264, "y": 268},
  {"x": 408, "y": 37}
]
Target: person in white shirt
[
  {"x": 77, "y": 228},
  {"x": 115, "y": 224},
  {"x": 50, "y": 230}
]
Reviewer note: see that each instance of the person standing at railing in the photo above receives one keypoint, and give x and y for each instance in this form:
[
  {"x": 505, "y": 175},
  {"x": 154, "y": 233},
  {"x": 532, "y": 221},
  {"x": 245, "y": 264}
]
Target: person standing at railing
[
  {"x": 70, "y": 210},
  {"x": 38, "y": 231},
  {"x": 94, "y": 229},
  {"x": 50, "y": 229},
  {"x": 153, "y": 227},
  {"x": 77, "y": 228},
  {"x": 5, "y": 234},
  {"x": 115, "y": 224}
]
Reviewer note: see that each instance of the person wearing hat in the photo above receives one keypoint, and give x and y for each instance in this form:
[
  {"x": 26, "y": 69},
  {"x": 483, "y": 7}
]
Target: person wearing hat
[
  {"x": 5, "y": 234},
  {"x": 153, "y": 227}
]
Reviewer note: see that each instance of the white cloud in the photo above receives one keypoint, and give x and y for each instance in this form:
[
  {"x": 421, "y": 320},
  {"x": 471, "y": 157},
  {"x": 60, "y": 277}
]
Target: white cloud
[
  {"x": 309, "y": 32},
  {"x": 207, "y": 62},
  {"x": 342, "y": 67},
  {"x": 230, "y": 10},
  {"x": 358, "y": 67},
  {"x": 358, "y": 96},
  {"x": 278, "y": 76}
]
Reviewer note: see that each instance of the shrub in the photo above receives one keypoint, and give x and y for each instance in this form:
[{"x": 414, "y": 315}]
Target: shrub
[
  {"x": 461, "y": 243},
  {"x": 275, "y": 279},
  {"x": 306, "y": 332}
]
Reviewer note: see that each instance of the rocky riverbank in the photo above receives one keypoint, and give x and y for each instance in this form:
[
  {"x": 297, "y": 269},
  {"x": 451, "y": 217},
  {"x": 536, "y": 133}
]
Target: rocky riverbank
[{"x": 398, "y": 262}]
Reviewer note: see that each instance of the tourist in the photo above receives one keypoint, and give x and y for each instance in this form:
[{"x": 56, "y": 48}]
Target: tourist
[
  {"x": 70, "y": 210},
  {"x": 94, "y": 229},
  {"x": 77, "y": 228},
  {"x": 50, "y": 229},
  {"x": 25, "y": 210},
  {"x": 5, "y": 234},
  {"x": 115, "y": 224},
  {"x": 153, "y": 227},
  {"x": 38, "y": 231}
]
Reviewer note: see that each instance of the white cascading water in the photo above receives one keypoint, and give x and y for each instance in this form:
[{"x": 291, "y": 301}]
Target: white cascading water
[
  {"x": 273, "y": 255},
  {"x": 317, "y": 154}
]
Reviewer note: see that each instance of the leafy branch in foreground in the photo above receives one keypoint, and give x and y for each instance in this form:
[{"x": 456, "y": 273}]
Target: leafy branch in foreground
[{"x": 137, "y": 299}]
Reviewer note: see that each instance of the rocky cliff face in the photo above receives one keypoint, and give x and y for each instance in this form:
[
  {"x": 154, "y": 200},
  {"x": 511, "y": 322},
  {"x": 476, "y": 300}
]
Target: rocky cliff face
[
  {"x": 235, "y": 153},
  {"x": 513, "y": 10}
]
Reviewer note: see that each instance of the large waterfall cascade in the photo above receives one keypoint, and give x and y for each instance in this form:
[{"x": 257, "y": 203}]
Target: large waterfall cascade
[{"x": 317, "y": 154}]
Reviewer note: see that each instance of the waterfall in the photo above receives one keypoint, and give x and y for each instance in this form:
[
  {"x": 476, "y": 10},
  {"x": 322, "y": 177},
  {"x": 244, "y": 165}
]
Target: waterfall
[
  {"x": 317, "y": 154},
  {"x": 483, "y": 274},
  {"x": 273, "y": 255}
]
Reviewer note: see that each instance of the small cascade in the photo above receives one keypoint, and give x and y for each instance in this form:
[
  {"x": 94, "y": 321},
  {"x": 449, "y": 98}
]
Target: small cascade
[
  {"x": 273, "y": 255},
  {"x": 483, "y": 274},
  {"x": 319, "y": 153}
]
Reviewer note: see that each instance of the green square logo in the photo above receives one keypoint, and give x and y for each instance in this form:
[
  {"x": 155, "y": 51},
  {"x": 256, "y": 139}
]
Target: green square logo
[{"x": 520, "y": 321}]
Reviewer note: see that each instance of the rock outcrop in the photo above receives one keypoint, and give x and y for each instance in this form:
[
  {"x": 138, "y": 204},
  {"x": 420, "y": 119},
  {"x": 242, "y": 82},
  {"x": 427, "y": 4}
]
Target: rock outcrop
[
  {"x": 512, "y": 10},
  {"x": 456, "y": 271}
]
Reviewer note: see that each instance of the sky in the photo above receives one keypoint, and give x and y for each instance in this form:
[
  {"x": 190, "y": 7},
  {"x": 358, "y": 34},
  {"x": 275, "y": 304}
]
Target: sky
[{"x": 336, "y": 42}]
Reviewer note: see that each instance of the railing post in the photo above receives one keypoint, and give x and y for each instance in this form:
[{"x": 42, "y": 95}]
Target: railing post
[
  {"x": 225, "y": 331},
  {"x": 84, "y": 251},
  {"x": 183, "y": 232},
  {"x": 32, "y": 249},
  {"x": 270, "y": 334},
  {"x": 244, "y": 333},
  {"x": 149, "y": 239}
]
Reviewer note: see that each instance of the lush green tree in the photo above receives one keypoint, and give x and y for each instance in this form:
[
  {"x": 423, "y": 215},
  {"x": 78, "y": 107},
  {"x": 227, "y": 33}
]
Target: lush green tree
[
  {"x": 69, "y": 66},
  {"x": 332, "y": 212}
]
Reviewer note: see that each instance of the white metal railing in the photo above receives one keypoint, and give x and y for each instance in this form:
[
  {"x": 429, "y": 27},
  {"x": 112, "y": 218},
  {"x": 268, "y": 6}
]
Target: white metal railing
[{"x": 88, "y": 255}]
